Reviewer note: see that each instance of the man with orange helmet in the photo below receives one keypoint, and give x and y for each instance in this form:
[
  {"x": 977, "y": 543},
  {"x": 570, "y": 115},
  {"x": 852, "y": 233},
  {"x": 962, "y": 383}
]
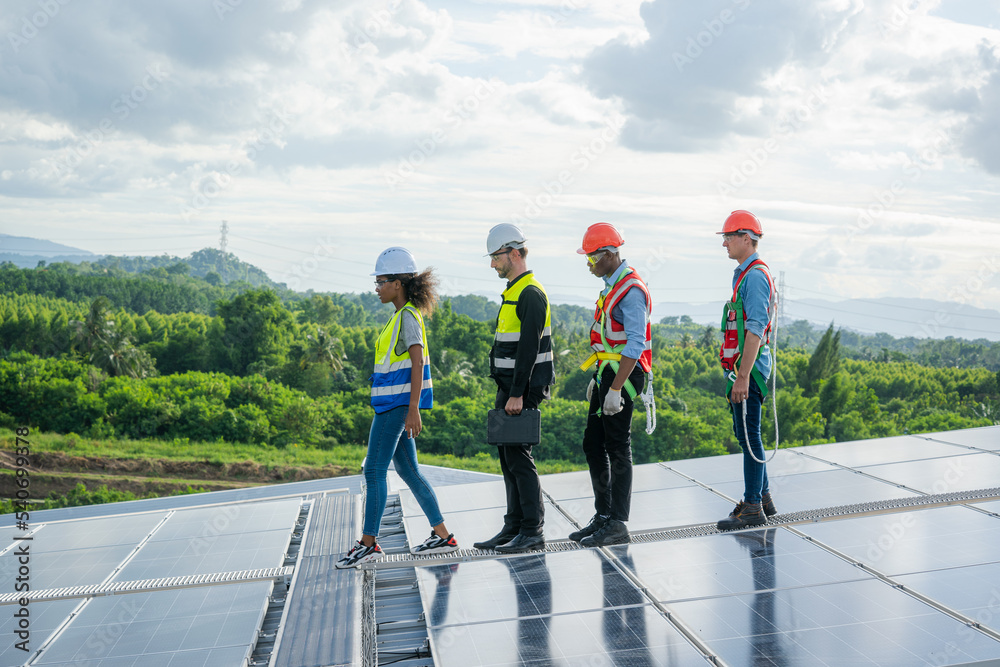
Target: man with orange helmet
[
  {"x": 621, "y": 339},
  {"x": 746, "y": 357}
]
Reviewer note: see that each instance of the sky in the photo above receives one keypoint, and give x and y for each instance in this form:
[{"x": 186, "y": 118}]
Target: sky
[{"x": 864, "y": 134}]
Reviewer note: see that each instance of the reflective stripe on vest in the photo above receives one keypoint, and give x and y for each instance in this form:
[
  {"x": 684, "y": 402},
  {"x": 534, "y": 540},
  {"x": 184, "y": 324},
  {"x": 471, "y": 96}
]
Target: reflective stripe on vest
[
  {"x": 508, "y": 334},
  {"x": 614, "y": 333},
  {"x": 391, "y": 377}
]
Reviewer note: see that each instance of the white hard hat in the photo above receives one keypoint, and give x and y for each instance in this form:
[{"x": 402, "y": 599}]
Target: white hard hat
[
  {"x": 395, "y": 261},
  {"x": 504, "y": 235}
]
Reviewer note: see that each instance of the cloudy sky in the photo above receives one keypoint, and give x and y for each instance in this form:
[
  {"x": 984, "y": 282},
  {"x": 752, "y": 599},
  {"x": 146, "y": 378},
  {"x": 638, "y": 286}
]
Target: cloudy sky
[{"x": 864, "y": 133}]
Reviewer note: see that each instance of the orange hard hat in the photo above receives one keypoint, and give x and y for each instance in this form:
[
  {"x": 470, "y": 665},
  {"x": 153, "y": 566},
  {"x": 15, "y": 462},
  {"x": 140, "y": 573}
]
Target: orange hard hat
[
  {"x": 600, "y": 235},
  {"x": 742, "y": 221}
]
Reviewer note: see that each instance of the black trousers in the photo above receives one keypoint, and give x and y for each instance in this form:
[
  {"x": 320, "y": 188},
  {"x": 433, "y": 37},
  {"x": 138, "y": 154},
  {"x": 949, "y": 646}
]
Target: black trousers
[
  {"x": 607, "y": 444},
  {"x": 525, "y": 509}
]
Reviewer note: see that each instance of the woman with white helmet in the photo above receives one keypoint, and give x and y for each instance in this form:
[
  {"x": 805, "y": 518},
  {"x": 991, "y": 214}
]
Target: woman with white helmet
[{"x": 401, "y": 388}]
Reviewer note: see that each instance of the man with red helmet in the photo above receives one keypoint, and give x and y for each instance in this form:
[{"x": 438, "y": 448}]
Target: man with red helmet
[
  {"x": 621, "y": 339},
  {"x": 746, "y": 357}
]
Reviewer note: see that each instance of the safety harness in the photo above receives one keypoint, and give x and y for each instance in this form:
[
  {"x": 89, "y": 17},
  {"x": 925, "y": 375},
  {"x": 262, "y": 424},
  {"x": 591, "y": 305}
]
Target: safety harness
[{"x": 607, "y": 350}]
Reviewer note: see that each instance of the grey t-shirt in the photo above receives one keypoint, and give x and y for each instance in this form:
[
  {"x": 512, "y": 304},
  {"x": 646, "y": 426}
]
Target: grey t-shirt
[{"x": 409, "y": 333}]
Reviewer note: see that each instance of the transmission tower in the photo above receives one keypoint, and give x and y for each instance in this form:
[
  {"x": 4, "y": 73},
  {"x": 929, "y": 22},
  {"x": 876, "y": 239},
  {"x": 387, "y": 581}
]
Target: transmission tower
[{"x": 222, "y": 240}]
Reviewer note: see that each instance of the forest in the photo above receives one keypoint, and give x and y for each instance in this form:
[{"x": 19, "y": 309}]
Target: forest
[{"x": 173, "y": 351}]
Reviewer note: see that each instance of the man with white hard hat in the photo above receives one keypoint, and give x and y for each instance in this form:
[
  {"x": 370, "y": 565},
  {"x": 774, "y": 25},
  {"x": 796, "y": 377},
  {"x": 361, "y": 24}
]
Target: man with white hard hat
[{"x": 521, "y": 365}]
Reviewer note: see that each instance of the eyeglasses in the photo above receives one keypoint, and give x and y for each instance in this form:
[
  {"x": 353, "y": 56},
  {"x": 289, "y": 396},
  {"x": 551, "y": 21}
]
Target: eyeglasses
[
  {"x": 379, "y": 283},
  {"x": 731, "y": 235},
  {"x": 500, "y": 253},
  {"x": 595, "y": 257}
]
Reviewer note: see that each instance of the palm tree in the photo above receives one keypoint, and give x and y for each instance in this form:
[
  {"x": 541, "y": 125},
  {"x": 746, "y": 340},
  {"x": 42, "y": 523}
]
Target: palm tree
[
  {"x": 322, "y": 350},
  {"x": 108, "y": 348}
]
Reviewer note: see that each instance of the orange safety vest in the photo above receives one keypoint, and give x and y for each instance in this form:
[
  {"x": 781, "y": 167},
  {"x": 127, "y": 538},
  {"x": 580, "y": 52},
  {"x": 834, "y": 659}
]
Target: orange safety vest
[
  {"x": 608, "y": 334},
  {"x": 734, "y": 319}
]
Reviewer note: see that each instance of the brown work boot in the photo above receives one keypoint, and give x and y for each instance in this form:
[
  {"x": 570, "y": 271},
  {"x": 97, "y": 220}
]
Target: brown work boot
[{"x": 746, "y": 516}]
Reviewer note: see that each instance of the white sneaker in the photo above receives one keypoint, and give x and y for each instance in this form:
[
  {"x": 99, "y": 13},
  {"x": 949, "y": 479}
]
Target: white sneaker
[
  {"x": 359, "y": 554},
  {"x": 436, "y": 545}
]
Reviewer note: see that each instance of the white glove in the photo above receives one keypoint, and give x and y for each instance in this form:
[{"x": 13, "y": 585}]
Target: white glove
[
  {"x": 590, "y": 389},
  {"x": 613, "y": 403}
]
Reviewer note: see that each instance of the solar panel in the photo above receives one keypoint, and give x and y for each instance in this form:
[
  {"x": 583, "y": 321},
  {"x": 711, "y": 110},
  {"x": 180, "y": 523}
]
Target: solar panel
[
  {"x": 529, "y": 585},
  {"x": 90, "y": 533},
  {"x": 793, "y": 493},
  {"x": 632, "y": 636},
  {"x": 149, "y": 628},
  {"x": 645, "y": 477},
  {"x": 223, "y": 553},
  {"x": 717, "y": 469},
  {"x": 681, "y": 506},
  {"x": 984, "y": 438},
  {"x": 475, "y": 525},
  {"x": 973, "y": 591},
  {"x": 459, "y": 497},
  {"x": 58, "y": 569},
  {"x": 207, "y": 522},
  {"x": 737, "y": 562},
  {"x": 918, "y": 541},
  {"x": 859, "y": 453},
  {"x": 955, "y": 473},
  {"x": 44, "y": 618},
  {"x": 858, "y": 623}
]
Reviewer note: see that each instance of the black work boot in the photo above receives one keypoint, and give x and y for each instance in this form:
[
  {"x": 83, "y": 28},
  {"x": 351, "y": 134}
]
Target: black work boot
[
  {"x": 768, "y": 504},
  {"x": 595, "y": 525},
  {"x": 522, "y": 543},
  {"x": 503, "y": 537},
  {"x": 745, "y": 515},
  {"x": 612, "y": 532}
]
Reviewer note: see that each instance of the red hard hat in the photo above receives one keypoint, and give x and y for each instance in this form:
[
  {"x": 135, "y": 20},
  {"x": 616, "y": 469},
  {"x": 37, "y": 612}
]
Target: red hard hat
[
  {"x": 600, "y": 235},
  {"x": 742, "y": 221}
]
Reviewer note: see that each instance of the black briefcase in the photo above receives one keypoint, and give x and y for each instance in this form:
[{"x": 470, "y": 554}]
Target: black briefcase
[{"x": 522, "y": 429}]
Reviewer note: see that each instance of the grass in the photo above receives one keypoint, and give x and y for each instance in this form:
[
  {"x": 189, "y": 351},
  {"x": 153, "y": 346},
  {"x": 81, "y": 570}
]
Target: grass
[{"x": 219, "y": 453}]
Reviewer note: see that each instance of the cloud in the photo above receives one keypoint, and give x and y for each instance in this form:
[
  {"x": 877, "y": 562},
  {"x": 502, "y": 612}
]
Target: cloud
[
  {"x": 981, "y": 139},
  {"x": 705, "y": 71}
]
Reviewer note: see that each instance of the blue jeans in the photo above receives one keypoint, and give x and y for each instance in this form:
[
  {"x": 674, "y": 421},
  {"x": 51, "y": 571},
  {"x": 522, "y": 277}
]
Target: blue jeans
[
  {"x": 754, "y": 473},
  {"x": 387, "y": 442}
]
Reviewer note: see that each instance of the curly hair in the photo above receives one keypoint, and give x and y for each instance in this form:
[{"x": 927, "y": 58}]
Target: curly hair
[{"x": 420, "y": 288}]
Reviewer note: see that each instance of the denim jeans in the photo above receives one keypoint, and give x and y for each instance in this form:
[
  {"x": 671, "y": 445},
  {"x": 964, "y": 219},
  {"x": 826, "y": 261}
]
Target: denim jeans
[
  {"x": 754, "y": 473},
  {"x": 388, "y": 442}
]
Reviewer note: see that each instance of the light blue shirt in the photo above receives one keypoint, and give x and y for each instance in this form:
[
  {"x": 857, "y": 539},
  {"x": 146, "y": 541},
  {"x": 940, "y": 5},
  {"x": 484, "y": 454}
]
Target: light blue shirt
[
  {"x": 631, "y": 311},
  {"x": 756, "y": 294}
]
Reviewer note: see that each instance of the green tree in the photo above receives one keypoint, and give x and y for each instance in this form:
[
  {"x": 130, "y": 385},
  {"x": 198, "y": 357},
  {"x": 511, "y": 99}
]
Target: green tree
[
  {"x": 257, "y": 329},
  {"x": 824, "y": 362}
]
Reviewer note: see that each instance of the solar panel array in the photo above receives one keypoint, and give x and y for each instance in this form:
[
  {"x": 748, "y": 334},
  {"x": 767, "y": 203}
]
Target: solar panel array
[
  {"x": 903, "y": 587},
  {"x": 201, "y": 625}
]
